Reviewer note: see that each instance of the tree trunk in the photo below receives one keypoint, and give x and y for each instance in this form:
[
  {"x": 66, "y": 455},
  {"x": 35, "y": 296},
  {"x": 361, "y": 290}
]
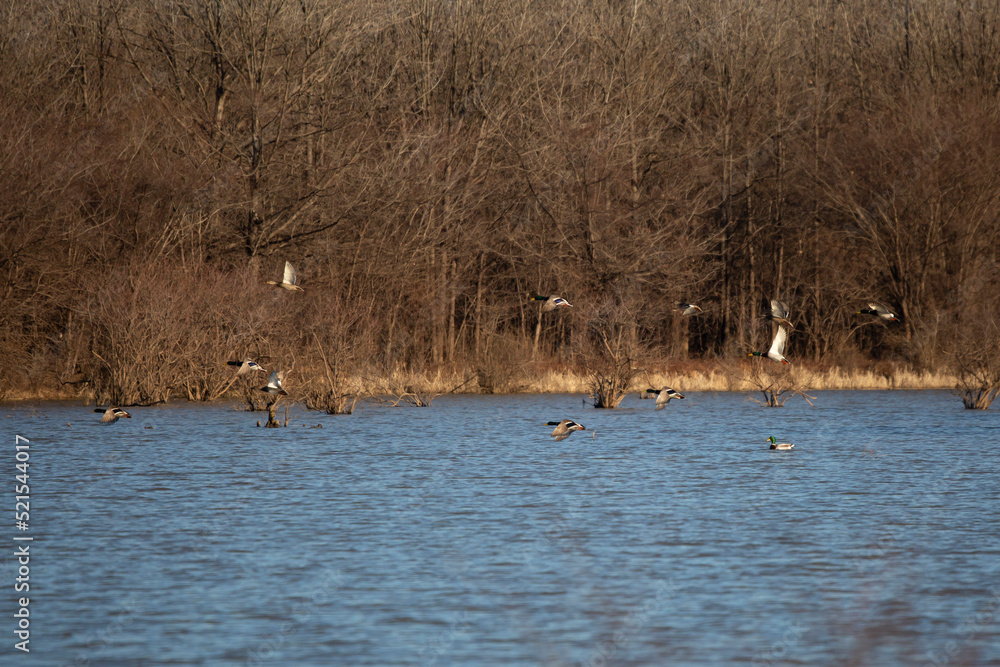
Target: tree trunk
[{"x": 272, "y": 420}]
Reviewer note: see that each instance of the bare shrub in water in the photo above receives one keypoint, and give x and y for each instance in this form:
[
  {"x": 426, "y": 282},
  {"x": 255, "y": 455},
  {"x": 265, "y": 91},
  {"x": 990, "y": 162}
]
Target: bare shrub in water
[
  {"x": 216, "y": 331},
  {"x": 610, "y": 363},
  {"x": 160, "y": 328},
  {"x": 977, "y": 364},
  {"x": 253, "y": 398},
  {"x": 772, "y": 379},
  {"x": 342, "y": 347},
  {"x": 420, "y": 397},
  {"x": 134, "y": 336},
  {"x": 610, "y": 379}
]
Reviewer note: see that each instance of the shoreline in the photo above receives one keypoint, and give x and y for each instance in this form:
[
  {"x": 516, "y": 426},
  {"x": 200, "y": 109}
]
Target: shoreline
[{"x": 575, "y": 381}]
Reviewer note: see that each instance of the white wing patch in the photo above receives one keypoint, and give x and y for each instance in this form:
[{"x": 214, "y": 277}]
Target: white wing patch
[
  {"x": 778, "y": 344},
  {"x": 289, "y": 274}
]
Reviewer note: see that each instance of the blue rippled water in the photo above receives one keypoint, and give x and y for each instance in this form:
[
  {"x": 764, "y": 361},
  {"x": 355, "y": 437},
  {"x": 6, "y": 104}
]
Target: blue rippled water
[{"x": 460, "y": 534}]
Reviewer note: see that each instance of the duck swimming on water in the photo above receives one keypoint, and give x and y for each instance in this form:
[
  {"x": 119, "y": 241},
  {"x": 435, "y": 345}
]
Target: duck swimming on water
[{"x": 779, "y": 445}]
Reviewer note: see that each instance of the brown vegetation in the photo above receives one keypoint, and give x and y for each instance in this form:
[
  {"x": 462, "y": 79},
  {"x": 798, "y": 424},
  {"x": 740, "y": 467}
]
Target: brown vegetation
[
  {"x": 611, "y": 353},
  {"x": 774, "y": 382},
  {"x": 425, "y": 164},
  {"x": 977, "y": 364}
]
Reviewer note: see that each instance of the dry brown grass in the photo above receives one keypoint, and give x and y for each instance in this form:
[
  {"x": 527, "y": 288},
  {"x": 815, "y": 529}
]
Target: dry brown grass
[{"x": 554, "y": 379}]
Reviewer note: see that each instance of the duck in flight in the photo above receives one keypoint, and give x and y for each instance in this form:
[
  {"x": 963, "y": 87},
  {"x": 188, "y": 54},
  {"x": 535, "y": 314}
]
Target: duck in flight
[
  {"x": 290, "y": 281},
  {"x": 564, "y": 429},
  {"x": 777, "y": 351},
  {"x": 246, "y": 366},
  {"x": 688, "y": 309},
  {"x": 551, "y": 302},
  {"x": 779, "y": 314},
  {"x": 112, "y": 415},
  {"x": 879, "y": 310},
  {"x": 274, "y": 384},
  {"x": 664, "y": 395}
]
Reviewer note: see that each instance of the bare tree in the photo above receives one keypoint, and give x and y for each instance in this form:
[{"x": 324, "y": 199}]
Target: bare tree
[
  {"x": 612, "y": 356},
  {"x": 977, "y": 364},
  {"x": 975, "y": 349}
]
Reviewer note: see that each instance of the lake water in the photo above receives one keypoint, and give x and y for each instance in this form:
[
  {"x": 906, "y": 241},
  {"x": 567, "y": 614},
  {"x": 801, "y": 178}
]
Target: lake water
[{"x": 460, "y": 534}]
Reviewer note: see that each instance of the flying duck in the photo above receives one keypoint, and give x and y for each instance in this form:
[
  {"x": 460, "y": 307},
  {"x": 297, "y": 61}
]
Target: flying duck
[
  {"x": 777, "y": 351},
  {"x": 779, "y": 314},
  {"x": 246, "y": 366},
  {"x": 879, "y": 310},
  {"x": 688, "y": 308},
  {"x": 565, "y": 428},
  {"x": 551, "y": 302},
  {"x": 290, "y": 279},
  {"x": 274, "y": 384},
  {"x": 112, "y": 415},
  {"x": 664, "y": 395}
]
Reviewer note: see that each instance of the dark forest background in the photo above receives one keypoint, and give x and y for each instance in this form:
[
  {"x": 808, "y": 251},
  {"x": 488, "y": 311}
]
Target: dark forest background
[{"x": 427, "y": 164}]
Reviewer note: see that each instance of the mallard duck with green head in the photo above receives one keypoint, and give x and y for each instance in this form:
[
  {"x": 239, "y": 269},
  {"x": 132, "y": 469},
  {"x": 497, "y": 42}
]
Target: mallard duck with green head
[
  {"x": 777, "y": 351},
  {"x": 779, "y": 445}
]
